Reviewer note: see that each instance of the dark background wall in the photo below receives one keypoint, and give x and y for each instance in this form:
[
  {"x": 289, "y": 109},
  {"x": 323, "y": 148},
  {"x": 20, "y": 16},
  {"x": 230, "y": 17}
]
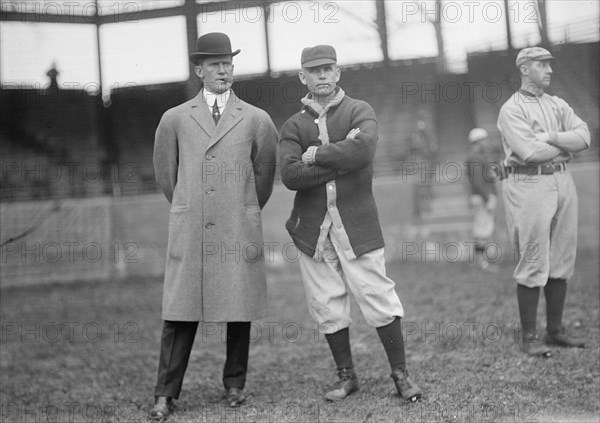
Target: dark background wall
[{"x": 66, "y": 143}]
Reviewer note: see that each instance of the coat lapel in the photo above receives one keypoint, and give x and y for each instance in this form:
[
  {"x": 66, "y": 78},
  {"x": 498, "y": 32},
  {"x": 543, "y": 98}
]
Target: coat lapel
[
  {"x": 232, "y": 115},
  {"x": 201, "y": 115}
]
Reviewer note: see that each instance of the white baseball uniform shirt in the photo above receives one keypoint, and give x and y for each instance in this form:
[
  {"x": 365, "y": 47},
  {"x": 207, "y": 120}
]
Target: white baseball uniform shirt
[{"x": 541, "y": 210}]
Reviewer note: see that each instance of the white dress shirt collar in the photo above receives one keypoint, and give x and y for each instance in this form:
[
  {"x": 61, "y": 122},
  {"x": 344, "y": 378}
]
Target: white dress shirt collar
[{"x": 222, "y": 99}]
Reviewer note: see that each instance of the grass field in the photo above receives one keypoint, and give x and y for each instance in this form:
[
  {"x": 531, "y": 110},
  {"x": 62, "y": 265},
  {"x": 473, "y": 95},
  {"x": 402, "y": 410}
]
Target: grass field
[{"x": 88, "y": 352}]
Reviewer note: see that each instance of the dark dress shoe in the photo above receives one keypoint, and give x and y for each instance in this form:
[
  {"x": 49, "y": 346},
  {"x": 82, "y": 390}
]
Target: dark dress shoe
[
  {"x": 561, "y": 339},
  {"x": 531, "y": 345},
  {"x": 163, "y": 406},
  {"x": 406, "y": 387},
  {"x": 348, "y": 384},
  {"x": 235, "y": 397}
]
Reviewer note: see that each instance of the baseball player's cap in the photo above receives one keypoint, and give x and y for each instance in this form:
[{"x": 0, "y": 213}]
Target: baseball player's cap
[
  {"x": 533, "y": 53},
  {"x": 477, "y": 134},
  {"x": 317, "y": 56}
]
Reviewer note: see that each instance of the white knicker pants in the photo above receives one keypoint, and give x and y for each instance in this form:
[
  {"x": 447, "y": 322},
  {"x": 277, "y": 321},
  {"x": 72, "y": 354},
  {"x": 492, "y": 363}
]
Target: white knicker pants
[
  {"x": 326, "y": 286},
  {"x": 541, "y": 216}
]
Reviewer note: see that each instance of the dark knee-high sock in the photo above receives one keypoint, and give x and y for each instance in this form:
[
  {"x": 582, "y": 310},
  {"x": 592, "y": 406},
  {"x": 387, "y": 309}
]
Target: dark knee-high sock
[
  {"x": 391, "y": 338},
  {"x": 339, "y": 343},
  {"x": 528, "y": 303},
  {"x": 555, "y": 292}
]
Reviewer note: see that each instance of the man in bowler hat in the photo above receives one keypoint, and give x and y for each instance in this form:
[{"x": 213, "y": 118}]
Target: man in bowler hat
[{"x": 214, "y": 158}]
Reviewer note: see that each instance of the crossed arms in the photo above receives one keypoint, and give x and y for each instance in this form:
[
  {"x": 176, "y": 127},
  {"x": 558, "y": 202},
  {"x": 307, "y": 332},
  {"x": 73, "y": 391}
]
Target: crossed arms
[
  {"x": 305, "y": 167},
  {"x": 544, "y": 146}
]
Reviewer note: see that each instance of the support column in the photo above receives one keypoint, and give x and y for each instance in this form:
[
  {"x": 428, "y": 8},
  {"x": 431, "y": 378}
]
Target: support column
[
  {"x": 267, "y": 10},
  {"x": 437, "y": 25},
  {"x": 543, "y": 23},
  {"x": 382, "y": 28},
  {"x": 191, "y": 26},
  {"x": 508, "y": 30},
  {"x": 99, "y": 54}
]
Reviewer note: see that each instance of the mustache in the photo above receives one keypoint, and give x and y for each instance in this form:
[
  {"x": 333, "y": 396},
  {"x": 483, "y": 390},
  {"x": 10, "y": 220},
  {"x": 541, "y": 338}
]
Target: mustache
[{"x": 224, "y": 78}]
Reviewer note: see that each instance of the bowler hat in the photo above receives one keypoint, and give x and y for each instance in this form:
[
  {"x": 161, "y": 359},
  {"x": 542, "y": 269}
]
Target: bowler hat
[
  {"x": 212, "y": 44},
  {"x": 317, "y": 56},
  {"x": 533, "y": 53}
]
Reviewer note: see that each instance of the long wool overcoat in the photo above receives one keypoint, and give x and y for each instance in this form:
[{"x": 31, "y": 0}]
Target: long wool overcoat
[{"x": 217, "y": 179}]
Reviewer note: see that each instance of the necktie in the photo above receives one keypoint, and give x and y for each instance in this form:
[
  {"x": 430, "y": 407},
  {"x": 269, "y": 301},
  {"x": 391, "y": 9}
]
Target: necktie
[{"x": 215, "y": 112}]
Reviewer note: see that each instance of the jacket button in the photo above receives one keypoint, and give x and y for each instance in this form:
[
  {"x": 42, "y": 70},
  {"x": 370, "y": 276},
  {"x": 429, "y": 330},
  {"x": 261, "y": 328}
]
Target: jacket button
[
  {"x": 209, "y": 157},
  {"x": 209, "y": 225},
  {"x": 209, "y": 191},
  {"x": 316, "y": 120}
]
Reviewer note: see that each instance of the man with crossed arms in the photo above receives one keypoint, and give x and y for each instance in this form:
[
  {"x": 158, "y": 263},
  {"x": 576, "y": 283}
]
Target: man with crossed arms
[
  {"x": 539, "y": 134},
  {"x": 326, "y": 154}
]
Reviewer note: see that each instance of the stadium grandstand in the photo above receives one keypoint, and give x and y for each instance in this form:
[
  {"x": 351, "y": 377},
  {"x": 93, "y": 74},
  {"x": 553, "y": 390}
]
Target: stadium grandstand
[{"x": 429, "y": 77}]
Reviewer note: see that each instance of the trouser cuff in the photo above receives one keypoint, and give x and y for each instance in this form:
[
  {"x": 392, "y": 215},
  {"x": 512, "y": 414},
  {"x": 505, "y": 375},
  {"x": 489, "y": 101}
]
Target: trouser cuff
[
  {"x": 167, "y": 391},
  {"x": 234, "y": 382}
]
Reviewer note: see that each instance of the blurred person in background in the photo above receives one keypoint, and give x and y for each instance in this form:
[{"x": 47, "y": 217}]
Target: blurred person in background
[
  {"x": 421, "y": 147},
  {"x": 483, "y": 194}
]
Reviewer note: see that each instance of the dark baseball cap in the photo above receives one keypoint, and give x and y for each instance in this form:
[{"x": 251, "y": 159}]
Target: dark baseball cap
[{"x": 317, "y": 56}]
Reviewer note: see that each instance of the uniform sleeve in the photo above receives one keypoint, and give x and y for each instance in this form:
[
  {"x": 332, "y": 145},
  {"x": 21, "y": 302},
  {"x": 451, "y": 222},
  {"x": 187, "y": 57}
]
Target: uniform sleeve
[
  {"x": 575, "y": 134},
  {"x": 295, "y": 174},
  {"x": 519, "y": 135},
  {"x": 352, "y": 153},
  {"x": 166, "y": 156},
  {"x": 264, "y": 158}
]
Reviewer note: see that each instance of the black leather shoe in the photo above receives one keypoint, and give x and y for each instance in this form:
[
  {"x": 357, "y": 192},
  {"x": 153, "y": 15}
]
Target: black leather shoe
[
  {"x": 348, "y": 384},
  {"x": 235, "y": 397},
  {"x": 561, "y": 339},
  {"x": 531, "y": 345},
  {"x": 163, "y": 406},
  {"x": 406, "y": 387}
]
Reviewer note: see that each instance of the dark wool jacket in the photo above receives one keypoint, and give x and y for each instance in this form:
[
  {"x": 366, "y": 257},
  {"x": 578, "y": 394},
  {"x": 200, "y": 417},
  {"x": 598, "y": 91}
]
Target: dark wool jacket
[{"x": 348, "y": 161}]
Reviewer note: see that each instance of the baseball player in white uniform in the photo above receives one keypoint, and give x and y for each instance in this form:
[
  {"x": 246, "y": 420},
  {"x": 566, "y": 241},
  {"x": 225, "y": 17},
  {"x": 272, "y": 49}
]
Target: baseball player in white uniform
[{"x": 539, "y": 134}]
